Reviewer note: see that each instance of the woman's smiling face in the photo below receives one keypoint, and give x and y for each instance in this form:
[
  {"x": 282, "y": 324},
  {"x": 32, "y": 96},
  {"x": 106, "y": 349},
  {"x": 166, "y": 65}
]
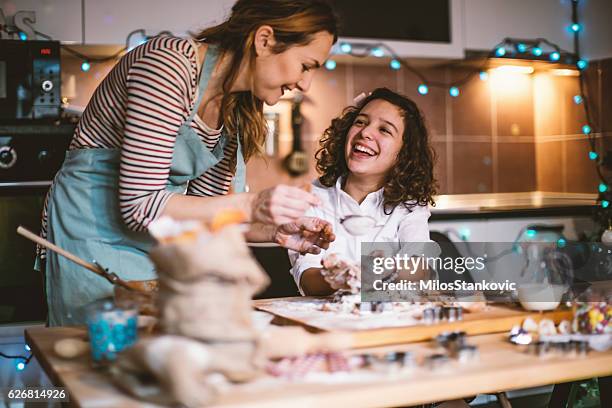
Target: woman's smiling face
[{"x": 375, "y": 139}]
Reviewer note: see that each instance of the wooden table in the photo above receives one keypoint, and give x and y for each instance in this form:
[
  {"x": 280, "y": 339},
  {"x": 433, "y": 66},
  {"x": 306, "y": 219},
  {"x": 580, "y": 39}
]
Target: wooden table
[
  {"x": 498, "y": 318},
  {"x": 502, "y": 366}
]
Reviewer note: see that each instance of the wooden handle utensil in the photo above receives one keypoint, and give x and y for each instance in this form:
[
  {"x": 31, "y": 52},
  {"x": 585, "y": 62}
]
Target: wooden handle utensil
[{"x": 95, "y": 268}]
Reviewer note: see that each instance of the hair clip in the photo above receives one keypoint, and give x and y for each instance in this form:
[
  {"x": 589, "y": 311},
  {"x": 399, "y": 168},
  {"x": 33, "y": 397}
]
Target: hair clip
[{"x": 361, "y": 97}]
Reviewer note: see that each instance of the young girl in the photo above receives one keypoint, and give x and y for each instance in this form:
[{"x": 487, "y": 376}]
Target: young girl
[{"x": 375, "y": 160}]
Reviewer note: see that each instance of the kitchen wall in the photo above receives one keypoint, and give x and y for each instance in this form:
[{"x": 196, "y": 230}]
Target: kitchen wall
[{"x": 506, "y": 134}]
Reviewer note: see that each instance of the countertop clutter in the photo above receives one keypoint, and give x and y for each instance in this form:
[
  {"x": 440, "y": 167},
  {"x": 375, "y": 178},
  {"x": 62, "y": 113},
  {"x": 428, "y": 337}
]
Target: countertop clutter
[
  {"x": 201, "y": 341},
  {"x": 500, "y": 366}
]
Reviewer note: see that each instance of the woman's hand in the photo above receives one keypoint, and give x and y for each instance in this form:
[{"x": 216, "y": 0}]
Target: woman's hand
[
  {"x": 281, "y": 205},
  {"x": 305, "y": 235}
]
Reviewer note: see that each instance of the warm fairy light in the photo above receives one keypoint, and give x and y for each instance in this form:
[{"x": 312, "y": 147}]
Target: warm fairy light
[
  {"x": 512, "y": 69},
  {"x": 565, "y": 72}
]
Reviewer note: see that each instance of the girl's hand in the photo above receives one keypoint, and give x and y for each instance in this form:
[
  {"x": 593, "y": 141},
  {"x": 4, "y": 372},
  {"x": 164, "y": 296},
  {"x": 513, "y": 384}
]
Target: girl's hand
[
  {"x": 305, "y": 235},
  {"x": 281, "y": 205},
  {"x": 340, "y": 274}
]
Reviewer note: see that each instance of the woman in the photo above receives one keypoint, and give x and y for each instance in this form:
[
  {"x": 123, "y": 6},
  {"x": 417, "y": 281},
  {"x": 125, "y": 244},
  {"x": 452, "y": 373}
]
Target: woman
[
  {"x": 375, "y": 160},
  {"x": 167, "y": 132}
]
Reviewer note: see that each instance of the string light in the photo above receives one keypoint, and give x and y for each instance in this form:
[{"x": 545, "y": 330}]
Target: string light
[
  {"x": 378, "y": 52},
  {"x": 23, "y": 36},
  {"x": 577, "y": 99},
  {"x": 423, "y": 89},
  {"x": 605, "y": 203},
  {"x": 500, "y": 51},
  {"x": 520, "y": 47},
  {"x": 593, "y": 155},
  {"x": 575, "y": 27},
  {"x": 20, "y": 366},
  {"x": 484, "y": 75},
  {"x": 395, "y": 64},
  {"x": 85, "y": 66},
  {"x": 346, "y": 48},
  {"x": 537, "y": 51},
  {"x": 453, "y": 91},
  {"x": 603, "y": 187},
  {"x": 582, "y": 64},
  {"x": 586, "y": 129},
  {"x": 330, "y": 65},
  {"x": 555, "y": 56}
]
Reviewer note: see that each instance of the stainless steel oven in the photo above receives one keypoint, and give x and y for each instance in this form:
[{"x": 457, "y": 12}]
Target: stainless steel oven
[{"x": 30, "y": 155}]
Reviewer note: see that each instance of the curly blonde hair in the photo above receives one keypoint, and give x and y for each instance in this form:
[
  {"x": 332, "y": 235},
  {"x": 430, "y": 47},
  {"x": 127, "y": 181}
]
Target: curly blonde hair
[{"x": 411, "y": 180}]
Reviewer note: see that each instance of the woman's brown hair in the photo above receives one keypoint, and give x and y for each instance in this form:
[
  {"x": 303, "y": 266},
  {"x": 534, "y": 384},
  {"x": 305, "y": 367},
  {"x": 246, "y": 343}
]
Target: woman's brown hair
[
  {"x": 410, "y": 181},
  {"x": 294, "y": 23}
]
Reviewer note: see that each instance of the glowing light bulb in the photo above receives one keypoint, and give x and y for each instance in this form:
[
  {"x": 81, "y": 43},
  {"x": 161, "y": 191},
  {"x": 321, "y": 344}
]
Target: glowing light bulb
[
  {"x": 561, "y": 242},
  {"x": 465, "y": 233},
  {"x": 603, "y": 187},
  {"x": 586, "y": 129},
  {"x": 23, "y": 36},
  {"x": 537, "y": 51},
  {"x": 395, "y": 64},
  {"x": 346, "y": 48},
  {"x": 520, "y": 47},
  {"x": 20, "y": 366},
  {"x": 605, "y": 203},
  {"x": 555, "y": 56},
  {"x": 531, "y": 233},
  {"x": 484, "y": 75},
  {"x": 423, "y": 89},
  {"x": 378, "y": 52},
  {"x": 500, "y": 51},
  {"x": 582, "y": 64},
  {"x": 593, "y": 156},
  {"x": 577, "y": 99},
  {"x": 330, "y": 65},
  {"x": 575, "y": 27},
  {"x": 85, "y": 66},
  {"x": 453, "y": 91}
]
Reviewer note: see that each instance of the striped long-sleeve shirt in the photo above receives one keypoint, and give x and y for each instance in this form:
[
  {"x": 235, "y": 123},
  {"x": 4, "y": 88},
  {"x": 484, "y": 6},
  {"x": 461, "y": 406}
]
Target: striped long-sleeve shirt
[{"x": 138, "y": 108}]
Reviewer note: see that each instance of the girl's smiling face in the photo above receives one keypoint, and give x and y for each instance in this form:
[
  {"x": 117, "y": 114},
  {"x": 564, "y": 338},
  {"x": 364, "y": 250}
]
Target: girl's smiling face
[{"x": 375, "y": 139}]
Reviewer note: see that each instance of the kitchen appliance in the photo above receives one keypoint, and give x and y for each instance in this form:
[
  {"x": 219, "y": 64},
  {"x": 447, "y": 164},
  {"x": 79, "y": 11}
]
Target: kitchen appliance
[
  {"x": 30, "y": 83},
  {"x": 30, "y": 155}
]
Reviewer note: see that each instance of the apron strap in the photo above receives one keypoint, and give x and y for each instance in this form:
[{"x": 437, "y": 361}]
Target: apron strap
[
  {"x": 239, "y": 181},
  {"x": 210, "y": 60}
]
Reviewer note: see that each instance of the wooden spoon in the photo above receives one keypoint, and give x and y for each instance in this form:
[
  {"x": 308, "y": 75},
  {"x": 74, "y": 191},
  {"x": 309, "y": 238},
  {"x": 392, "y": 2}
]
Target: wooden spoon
[{"x": 94, "y": 267}]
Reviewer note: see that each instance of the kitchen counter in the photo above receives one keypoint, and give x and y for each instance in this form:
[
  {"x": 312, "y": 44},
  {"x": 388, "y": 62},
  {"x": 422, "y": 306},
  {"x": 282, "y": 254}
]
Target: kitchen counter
[
  {"x": 501, "y": 366},
  {"x": 512, "y": 205}
]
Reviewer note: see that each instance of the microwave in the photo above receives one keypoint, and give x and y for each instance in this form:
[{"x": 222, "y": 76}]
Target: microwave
[{"x": 30, "y": 82}]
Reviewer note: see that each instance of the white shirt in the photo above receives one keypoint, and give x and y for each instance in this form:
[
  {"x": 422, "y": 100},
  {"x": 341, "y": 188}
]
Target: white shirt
[{"x": 399, "y": 226}]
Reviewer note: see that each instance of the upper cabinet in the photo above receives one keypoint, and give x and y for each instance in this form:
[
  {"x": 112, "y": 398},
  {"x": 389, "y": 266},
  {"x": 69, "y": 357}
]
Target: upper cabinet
[
  {"x": 58, "y": 19},
  {"x": 432, "y": 29},
  {"x": 487, "y": 22},
  {"x": 110, "y": 21},
  {"x": 470, "y": 24}
]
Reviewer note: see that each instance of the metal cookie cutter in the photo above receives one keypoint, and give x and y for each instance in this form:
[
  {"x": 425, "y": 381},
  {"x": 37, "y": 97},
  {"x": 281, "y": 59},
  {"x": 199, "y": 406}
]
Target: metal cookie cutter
[
  {"x": 453, "y": 313},
  {"x": 451, "y": 341},
  {"x": 541, "y": 348},
  {"x": 436, "y": 361},
  {"x": 467, "y": 353}
]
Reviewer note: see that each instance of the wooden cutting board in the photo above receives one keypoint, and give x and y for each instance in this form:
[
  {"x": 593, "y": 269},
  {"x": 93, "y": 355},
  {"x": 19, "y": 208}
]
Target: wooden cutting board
[{"x": 495, "y": 319}]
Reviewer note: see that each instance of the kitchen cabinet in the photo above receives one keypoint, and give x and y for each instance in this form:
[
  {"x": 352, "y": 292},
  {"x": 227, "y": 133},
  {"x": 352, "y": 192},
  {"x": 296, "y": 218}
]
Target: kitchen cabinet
[
  {"x": 110, "y": 21},
  {"x": 59, "y": 19},
  {"x": 487, "y": 22}
]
